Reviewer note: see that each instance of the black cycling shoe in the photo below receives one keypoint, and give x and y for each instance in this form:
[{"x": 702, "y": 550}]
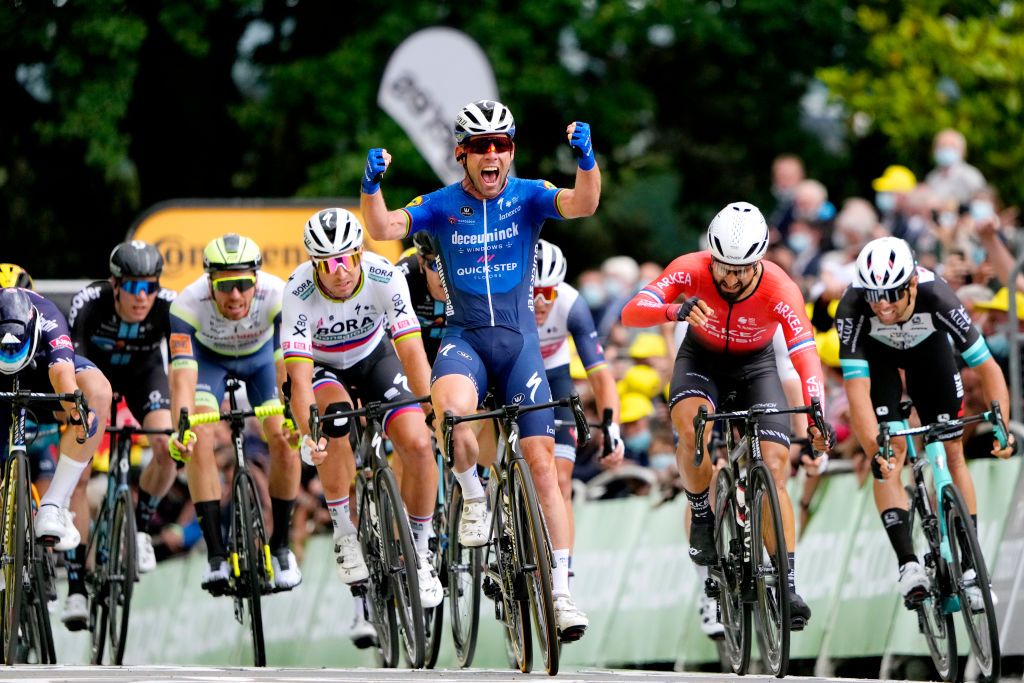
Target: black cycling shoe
[
  {"x": 799, "y": 612},
  {"x": 702, "y": 544}
]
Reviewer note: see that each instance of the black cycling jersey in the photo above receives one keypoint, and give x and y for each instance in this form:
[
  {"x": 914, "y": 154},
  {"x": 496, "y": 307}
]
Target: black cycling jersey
[
  {"x": 429, "y": 310},
  {"x": 105, "y": 339}
]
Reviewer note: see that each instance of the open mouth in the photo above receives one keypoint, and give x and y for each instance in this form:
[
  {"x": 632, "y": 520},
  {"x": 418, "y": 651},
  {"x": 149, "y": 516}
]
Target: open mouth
[{"x": 489, "y": 174}]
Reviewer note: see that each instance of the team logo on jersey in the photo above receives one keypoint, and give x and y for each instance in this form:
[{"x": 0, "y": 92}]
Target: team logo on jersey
[
  {"x": 466, "y": 211},
  {"x": 304, "y": 290},
  {"x": 378, "y": 274},
  {"x": 790, "y": 316},
  {"x": 181, "y": 344},
  {"x": 62, "y": 342},
  {"x": 416, "y": 201},
  {"x": 453, "y": 220}
]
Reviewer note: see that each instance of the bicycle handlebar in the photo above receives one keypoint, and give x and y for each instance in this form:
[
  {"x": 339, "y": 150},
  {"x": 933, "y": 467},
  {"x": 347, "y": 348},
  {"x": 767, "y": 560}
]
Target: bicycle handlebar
[
  {"x": 24, "y": 398},
  {"x": 934, "y": 431},
  {"x": 702, "y": 417}
]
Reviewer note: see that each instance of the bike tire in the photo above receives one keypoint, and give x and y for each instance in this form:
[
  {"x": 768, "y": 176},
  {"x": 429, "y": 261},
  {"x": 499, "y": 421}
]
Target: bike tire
[
  {"x": 464, "y": 580},
  {"x": 17, "y": 523},
  {"x": 769, "y": 568},
  {"x": 381, "y": 606},
  {"x": 248, "y": 542},
  {"x": 402, "y": 559},
  {"x": 735, "y": 614},
  {"x": 515, "y": 600},
  {"x": 982, "y": 628},
  {"x": 40, "y": 610},
  {"x": 433, "y": 618},
  {"x": 534, "y": 547},
  {"x": 122, "y": 573}
]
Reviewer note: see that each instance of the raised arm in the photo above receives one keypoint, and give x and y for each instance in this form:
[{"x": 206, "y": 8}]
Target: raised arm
[
  {"x": 380, "y": 223},
  {"x": 583, "y": 198}
]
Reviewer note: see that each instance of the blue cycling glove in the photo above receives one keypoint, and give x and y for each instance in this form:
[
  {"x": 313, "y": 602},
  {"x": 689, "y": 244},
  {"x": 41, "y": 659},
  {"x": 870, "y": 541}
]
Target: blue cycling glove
[
  {"x": 375, "y": 168},
  {"x": 581, "y": 145}
]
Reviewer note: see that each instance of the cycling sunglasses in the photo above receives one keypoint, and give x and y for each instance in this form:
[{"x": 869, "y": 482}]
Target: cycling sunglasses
[
  {"x": 497, "y": 143},
  {"x": 547, "y": 294},
  {"x": 242, "y": 283},
  {"x": 724, "y": 269},
  {"x": 347, "y": 262},
  {"x": 875, "y": 296},
  {"x": 135, "y": 287}
]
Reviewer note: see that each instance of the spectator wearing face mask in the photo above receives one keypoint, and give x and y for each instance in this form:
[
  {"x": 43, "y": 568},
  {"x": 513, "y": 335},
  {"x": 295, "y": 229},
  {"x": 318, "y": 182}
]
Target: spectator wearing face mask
[
  {"x": 787, "y": 173},
  {"x": 621, "y": 281},
  {"x": 855, "y": 226},
  {"x": 891, "y": 190},
  {"x": 953, "y": 178}
]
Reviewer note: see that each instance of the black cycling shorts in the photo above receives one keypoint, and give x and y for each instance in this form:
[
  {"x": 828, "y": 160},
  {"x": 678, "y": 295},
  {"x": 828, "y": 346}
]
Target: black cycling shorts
[
  {"x": 143, "y": 385},
  {"x": 732, "y": 382}
]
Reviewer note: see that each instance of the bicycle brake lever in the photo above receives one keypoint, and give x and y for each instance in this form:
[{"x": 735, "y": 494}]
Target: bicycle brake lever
[{"x": 582, "y": 426}]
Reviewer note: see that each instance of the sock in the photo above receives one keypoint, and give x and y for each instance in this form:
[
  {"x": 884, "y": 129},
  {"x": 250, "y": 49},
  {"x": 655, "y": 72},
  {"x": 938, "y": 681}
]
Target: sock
[
  {"x": 208, "y": 513},
  {"x": 358, "y": 607},
  {"x": 897, "y": 524},
  {"x": 469, "y": 481},
  {"x": 700, "y": 507},
  {"x": 560, "y": 571},
  {"x": 421, "y": 530},
  {"x": 341, "y": 517},
  {"x": 791, "y": 577},
  {"x": 74, "y": 561},
  {"x": 281, "y": 512},
  {"x": 145, "y": 509},
  {"x": 65, "y": 478},
  {"x": 702, "y": 574}
]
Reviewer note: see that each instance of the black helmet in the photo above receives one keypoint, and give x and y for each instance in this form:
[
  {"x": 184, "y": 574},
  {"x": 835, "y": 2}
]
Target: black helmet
[
  {"x": 19, "y": 330},
  {"x": 424, "y": 244},
  {"x": 136, "y": 259}
]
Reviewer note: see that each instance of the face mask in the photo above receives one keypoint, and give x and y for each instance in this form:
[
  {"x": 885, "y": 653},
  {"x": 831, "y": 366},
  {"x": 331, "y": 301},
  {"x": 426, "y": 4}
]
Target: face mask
[
  {"x": 638, "y": 443},
  {"x": 613, "y": 287},
  {"x": 781, "y": 194},
  {"x": 661, "y": 461},
  {"x": 885, "y": 201},
  {"x": 982, "y": 209},
  {"x": 799, "y": 242},
  {"x": 999, "y": 345},
  {"x": 593, "y": 294},
  {"x": 946, "y": 156}
]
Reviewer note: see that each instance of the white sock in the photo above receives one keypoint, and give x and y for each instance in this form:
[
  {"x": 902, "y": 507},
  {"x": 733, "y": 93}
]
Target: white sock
[
  {"x": 470, "y": 483},
  {"x": 358, "y": 610},
  {"x": 702, "y": 574},
  {"x": 421, "y": 529},
  {"x": 65, "y": 478},
  {"x": 341, "y": 517},
  {"x": 560, "y": 572}
]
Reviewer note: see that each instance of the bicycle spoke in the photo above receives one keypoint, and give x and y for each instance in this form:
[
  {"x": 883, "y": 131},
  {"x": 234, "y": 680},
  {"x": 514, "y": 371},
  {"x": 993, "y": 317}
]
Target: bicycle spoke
[{"x": 463, "y": 585}]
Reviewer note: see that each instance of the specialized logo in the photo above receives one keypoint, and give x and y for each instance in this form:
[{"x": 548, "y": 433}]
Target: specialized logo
[
  {"x": 401, "y": 380},
  {"x": 446, "y": 348},
  {"x": 533, "y": 384}
]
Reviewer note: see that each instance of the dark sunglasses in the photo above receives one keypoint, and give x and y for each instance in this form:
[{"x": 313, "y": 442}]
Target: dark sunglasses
[
  {"x": 226, "y": 285},
  {"x": 135, "y": 287},
  {"x": 874, "y": 296},
  {"x": 498, "y": 144}
]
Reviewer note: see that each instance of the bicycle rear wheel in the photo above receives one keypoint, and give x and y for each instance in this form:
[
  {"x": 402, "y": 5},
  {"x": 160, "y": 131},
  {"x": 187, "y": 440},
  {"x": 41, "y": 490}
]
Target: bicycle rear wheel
[
  {"x": 402, "y": 559},
  {"x": 734, "y": 612},
  {"x": 979, "y": 614},
  {"x": 123, "y": 570},
  {"x": 535, "y": 561},
  {"x": 769, "y": 568},
  {"x": 39, "y": 611},
  {"x": 16, "y": 526},
  {"x": 248, "y": 560},
  {"x": 463, "y": 568}
]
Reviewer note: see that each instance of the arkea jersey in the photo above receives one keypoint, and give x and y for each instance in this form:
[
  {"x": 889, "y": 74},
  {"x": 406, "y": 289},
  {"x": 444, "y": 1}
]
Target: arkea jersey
[
  {"x": 570, "y": 316},
  {"x": 936, "y": 310},
  {"x": 195, "y": 318},
  {"x": 341, "y": 332},
  {"x": 104, "y": 338},
  {"x": 735, "y": 327},
  {"x": 486, "y": 249},
  {"x": 429, "y": 310}
]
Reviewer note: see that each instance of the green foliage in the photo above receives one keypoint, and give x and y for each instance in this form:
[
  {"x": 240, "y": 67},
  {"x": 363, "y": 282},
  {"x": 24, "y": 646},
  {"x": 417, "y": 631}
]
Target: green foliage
[{"x": 935, "y": 65}]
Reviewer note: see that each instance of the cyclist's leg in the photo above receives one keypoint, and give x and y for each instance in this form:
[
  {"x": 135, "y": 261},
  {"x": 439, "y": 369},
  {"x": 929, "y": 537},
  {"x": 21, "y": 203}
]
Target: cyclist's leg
[{"x": 148, "y": 396}]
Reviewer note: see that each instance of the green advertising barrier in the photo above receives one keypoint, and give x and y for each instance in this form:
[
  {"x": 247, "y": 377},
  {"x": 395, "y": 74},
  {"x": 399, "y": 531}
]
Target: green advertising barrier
[{"x": 633, "y": 578}]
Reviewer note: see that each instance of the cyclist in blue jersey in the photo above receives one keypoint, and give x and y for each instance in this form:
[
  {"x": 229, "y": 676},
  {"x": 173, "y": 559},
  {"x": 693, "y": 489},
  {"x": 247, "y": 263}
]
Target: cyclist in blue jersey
[{"x": 485, "y": 228}]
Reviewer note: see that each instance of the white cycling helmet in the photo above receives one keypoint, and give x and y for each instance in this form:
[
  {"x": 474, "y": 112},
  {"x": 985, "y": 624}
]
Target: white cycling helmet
[
  {"x": 484, "y": 117},
  {"x": 550, "y": 265},
  {"x": 331, "y": 232},
  {"x": 885, "y": 265},
  {"x": 738, "y": 235}
]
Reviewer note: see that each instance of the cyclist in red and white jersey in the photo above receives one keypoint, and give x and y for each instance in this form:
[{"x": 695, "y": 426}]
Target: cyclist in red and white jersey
[{"x": 734, "y": 302}]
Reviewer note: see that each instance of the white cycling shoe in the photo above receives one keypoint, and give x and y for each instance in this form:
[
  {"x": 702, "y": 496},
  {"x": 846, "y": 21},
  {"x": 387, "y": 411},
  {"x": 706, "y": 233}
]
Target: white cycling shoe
[
  {"x": 913, "y": 583},
  {"x": 349, "y": 557},
  {"x": 216, "y": 576},
  {"x": 571, "y": 621},
  {"x": 55, "y": 526},
  {"x": 361, "y": 632},
  {"x": 431, "y": 591},
  {"x": 709, "y": 623},
  {"x": 144, "y": 554},
  {"x": 287, "y": 574},
  {"x": 973, "y": 592},
  {"x": 475, "y": 524},
  {"x": 76, "y": 612}
]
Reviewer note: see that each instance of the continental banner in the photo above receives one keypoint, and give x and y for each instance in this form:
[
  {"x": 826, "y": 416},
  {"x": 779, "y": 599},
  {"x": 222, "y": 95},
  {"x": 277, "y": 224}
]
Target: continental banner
[{"x": 181, "y": 229}]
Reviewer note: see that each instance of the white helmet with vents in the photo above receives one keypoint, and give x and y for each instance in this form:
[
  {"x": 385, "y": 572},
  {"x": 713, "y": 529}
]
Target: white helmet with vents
[
  {"x": 484, "y": 117},
  {"x": 331, "y": 232},
  {"x": 551, "y": 265},
  {"x": 886, "y": 263},
  {"x": 738, "y": 235}
]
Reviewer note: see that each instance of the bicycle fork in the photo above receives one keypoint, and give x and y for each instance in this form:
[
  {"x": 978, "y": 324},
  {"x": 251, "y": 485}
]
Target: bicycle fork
[{"x": 933, "y": 521}]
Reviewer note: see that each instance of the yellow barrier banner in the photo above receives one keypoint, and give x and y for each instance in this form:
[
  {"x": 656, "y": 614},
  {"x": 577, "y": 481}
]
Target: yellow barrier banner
[{"x": 181, "y": 229}]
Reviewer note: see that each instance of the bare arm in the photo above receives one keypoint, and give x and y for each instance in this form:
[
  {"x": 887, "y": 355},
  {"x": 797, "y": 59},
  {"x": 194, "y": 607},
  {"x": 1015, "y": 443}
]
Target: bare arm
[
  {"x": 998, "y": 255},
  {"x": 301, "y": 375},
  {"x": 414, "y": 360},
  {"x": 380, "y": 223}
]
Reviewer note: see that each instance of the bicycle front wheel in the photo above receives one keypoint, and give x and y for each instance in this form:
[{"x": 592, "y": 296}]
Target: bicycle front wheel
[
  {"x": 38, "y": 614},
  {"x": 433, "y": 618},
  {"x": 401, "y": 561},
  {"x": 734, "y": 612},
  {"x": 16, "y": 526},
  {"x": 535, "y": 561},
  {"x": 770, "y": 569},
  {"x": 515, "y": 599},
  {"x": 381, "y": 606},
  {"x": 248, "y": 560},
  {"x": 463, "y": 566},
  {"x": 123, "y": 570},
  {"x": 969, "y": 578}
]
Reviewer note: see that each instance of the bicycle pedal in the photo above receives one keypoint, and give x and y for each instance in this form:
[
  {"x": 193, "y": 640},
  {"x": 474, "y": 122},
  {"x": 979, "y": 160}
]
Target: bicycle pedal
[
  {"x": 914, "y": 599},
  {"x": 571, "y": 635},
  {"x": 711, "y": 588},
  {"x": 359, "y": 589},
  {"x": 797, "y": 624}
]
